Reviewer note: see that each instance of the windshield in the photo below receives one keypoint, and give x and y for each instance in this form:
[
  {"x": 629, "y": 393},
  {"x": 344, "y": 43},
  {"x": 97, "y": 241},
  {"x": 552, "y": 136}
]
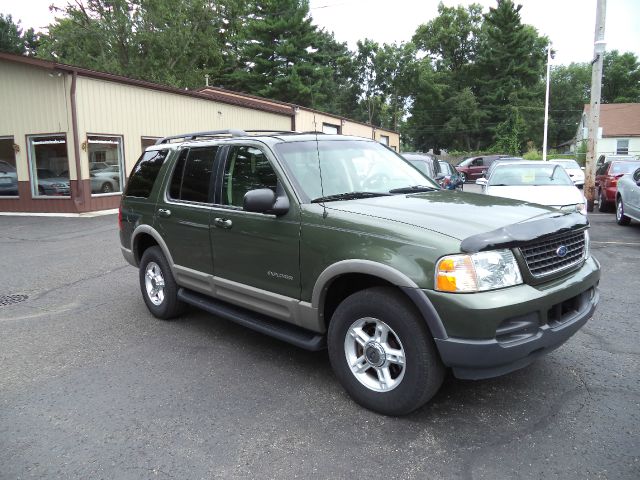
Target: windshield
[
  {"x": 517, "y": 175},
  {"x": 568, "y": 163},
  {"x": 347, "y": 166},
  {"x": 619, "y": 168}
]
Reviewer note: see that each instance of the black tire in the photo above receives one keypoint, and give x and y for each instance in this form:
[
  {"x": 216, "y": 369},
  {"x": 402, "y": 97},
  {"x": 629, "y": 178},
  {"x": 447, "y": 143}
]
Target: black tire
[
  {"x": 423, "y": 370},
  {"x": 603, "y": 205},
  {"x": 106, "y": 188},
  {"x": 169, "y": 307},
  {"x": 621, "y": 218}
]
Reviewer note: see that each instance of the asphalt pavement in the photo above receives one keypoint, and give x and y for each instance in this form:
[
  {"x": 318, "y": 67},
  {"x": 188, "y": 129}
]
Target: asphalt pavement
[{"x": 92, "y": 386}]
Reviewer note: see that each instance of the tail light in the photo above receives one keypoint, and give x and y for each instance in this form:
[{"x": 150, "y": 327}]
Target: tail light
[{"x": 120, "y": 218}]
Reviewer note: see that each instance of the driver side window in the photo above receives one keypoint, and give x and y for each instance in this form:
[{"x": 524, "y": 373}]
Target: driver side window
[{"x": 247, "y": 168}]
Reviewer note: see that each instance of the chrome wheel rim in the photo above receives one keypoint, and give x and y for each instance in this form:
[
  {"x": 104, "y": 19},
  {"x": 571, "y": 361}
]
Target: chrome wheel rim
[
  {"x": 619, "y": 210},
  {"x": 154, "y": 283},
  {"x": 375, "y": 354}
]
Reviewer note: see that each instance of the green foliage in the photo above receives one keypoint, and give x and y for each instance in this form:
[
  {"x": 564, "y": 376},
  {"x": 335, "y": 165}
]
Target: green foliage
[
  {"x": 510, "y": 134},
  {"x": 620, "y": 78},
  {"x": 14, "y": 40}
]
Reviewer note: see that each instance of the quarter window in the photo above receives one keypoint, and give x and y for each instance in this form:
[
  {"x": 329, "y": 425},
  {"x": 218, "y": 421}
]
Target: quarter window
[
  {"x": 105, "y": 164},
  {"x": 144, "y": 173},
  {"x": 247, "y": 168},
  {"x": 192, "y": 175},
  {"x": 49, "y": 165}
]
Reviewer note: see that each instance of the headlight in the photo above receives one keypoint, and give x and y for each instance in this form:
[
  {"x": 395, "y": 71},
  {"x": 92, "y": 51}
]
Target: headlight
[
  {"x": 478, "y": 272},
  {"x": 581, "y": 208}
]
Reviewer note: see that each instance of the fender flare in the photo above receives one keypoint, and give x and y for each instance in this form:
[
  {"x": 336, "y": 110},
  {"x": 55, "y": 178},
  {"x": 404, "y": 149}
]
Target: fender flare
[
  {"x": 157, "y": 237},
  {"x": 387, "y": 273}
]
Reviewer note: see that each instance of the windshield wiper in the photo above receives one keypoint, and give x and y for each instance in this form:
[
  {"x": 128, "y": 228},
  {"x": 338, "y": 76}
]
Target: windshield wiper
[
  {"x": 348, "y": 196},
  {"x": 413, "y": 189}
]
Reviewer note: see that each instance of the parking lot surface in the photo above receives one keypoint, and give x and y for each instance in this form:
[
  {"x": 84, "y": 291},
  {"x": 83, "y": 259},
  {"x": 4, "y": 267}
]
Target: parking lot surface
[{"x": 92, "y": 386}]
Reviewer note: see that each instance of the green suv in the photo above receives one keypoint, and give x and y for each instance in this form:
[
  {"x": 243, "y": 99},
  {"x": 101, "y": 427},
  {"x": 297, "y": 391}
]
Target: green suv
[{"x": 329, "y": 241}]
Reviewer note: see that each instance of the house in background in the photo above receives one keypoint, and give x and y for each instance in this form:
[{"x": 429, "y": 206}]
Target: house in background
[{"x": 619, "y": 132}]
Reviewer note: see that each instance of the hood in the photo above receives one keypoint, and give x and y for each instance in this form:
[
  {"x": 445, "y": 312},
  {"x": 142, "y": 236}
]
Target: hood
[
  {"x": 556, "y": 195},
  {"x": 455, "y": 214}
]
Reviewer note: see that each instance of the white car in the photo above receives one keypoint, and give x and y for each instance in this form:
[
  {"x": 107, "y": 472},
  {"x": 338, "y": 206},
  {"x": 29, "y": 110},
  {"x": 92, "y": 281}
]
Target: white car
[
  {"x": 573, "y": 169},
  {"x": 544, "y": 183}
]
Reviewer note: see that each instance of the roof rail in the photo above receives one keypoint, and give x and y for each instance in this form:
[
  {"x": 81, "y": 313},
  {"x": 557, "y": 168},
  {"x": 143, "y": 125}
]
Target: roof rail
[
  {"x": 276, "y": 132},
  {"x": 194, "y": 135}
]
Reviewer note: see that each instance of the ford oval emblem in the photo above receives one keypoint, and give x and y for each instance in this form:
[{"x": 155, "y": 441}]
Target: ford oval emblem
[{"x": 562, "y": 251}]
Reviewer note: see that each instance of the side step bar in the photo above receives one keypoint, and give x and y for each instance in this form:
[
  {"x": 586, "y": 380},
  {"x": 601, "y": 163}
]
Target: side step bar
[{"x": 255, "y": 321}]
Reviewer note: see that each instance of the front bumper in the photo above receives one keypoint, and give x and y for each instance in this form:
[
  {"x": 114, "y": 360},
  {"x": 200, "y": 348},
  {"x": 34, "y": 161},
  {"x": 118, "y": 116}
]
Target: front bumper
[{"x": 531, "y": 322}]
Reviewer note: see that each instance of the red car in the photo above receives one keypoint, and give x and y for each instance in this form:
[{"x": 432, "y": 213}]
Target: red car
[
  {"x": 607, "y": 177},
  {"x": 472, "y": 168}
]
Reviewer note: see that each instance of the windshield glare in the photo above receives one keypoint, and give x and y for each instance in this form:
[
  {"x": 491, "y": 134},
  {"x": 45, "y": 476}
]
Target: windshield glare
[
  {"x": 347, "y": 166},
  {"x": 518, "y": 175},
  {"x": 567, "y": 163}
]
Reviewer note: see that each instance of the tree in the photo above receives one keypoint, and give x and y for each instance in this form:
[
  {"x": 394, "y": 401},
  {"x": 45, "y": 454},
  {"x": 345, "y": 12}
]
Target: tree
[
  {"x": 620, "y": 78},
  {"x": 155, "y": 40},
  {"x": 510, "y": 68},
  {"x": 14, "y": 40},
  {"x": 569, "y": 90}
]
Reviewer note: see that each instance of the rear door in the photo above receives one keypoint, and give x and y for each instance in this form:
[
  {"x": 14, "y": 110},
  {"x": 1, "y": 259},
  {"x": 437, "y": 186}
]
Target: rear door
[
  {"x": 476, "y": 168},
  {"x": 182, "y": 215},
  {"x": 255, "y": 254}
]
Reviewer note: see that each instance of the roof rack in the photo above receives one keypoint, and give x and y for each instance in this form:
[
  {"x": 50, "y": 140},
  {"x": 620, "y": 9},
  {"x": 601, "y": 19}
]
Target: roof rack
[
  {"x": 195, "y": 135},
  {"x": 276, "y": 132}
]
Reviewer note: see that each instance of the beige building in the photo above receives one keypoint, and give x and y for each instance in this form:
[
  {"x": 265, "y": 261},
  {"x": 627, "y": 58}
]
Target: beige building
[{"x": 69, "y": 136}]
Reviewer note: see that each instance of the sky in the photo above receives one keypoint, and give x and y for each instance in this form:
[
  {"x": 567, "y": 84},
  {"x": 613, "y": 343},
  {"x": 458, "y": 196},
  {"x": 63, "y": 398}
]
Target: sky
[{"x": 569, "y": 24}]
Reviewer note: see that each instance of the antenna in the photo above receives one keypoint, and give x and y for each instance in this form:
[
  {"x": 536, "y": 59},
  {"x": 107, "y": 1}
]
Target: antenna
[{"x": 315, "y": 127}]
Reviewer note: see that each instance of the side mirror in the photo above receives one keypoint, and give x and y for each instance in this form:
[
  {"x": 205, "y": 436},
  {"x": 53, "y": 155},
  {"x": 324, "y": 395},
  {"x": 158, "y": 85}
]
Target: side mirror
[
  {"x": 264, "y": 200},
  {"x": 481, "y": 181}
]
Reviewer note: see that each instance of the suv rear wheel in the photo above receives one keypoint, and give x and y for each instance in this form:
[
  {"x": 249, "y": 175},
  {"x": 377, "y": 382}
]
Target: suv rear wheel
[
  {"x": 159, "y": 289},
  {"x": 383, "y": 353}
]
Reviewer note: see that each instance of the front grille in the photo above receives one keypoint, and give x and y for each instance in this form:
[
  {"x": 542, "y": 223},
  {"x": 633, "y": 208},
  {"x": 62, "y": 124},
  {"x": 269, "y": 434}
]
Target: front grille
[{"x": 542, "y": 258}]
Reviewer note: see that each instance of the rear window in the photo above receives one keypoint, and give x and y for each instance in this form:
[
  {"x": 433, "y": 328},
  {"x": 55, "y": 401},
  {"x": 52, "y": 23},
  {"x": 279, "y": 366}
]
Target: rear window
[
  {"x": 618, "y": 168},
  {"x": 144, "y": 173}
]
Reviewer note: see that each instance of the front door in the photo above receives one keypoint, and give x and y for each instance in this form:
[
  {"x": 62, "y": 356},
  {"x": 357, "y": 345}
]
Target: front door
[{"x": 253, "y": 250}]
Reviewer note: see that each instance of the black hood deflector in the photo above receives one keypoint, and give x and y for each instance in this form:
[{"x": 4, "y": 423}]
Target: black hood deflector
[{"x": 518, "y": 233}]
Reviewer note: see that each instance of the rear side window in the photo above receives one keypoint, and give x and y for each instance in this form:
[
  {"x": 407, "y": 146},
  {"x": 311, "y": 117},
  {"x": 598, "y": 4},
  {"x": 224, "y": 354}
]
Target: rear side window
[
  {"x": 192, "y": 176},
  {"x": 144, "y": 173}
]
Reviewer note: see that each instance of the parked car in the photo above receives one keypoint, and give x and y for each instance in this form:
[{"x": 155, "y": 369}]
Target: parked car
[
  {"x": 452, "y": 180},
  {"x": 628, "y": 198},
  {"x": 473, "y": 168},
  {"x": 97, "y": 166},
  {"x": 282, "y": 234},
  {"x": 425, "y": 163},
  {"x": 103, "y": 183},
  {"x": 8, "y": 179},
  {"x": 111, "y": 172},
  {"x": 607, "y": 176},
  {"x": 50, "y": 183},
  {"x": 500, "y": 160},
  {"x": 620, "y": 158},
  {"x": 535, "y": 182},
  {"x": 574, "y": 170}
]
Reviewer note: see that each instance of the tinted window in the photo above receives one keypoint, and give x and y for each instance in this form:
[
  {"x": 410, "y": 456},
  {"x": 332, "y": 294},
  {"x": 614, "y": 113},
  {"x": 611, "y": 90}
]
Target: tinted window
[
  {"x": 192, "y": 175},
  {"x": 144, "y": 173},
  {"x": 247, "y": 168},
  {"x": 622, "y": 167}
]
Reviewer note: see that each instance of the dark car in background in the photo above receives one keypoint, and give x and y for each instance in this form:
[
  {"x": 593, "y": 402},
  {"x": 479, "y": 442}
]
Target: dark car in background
[
  {"x": 452, "y": 180},
  {"x": 473, "y": 168},
  {"x": 607, "y": 177},
  {"x": 425, "y": 163}
]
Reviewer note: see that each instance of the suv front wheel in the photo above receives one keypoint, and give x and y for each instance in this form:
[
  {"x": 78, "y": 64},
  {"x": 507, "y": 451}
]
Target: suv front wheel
[
  {"x": 383, "y": 353},
  {"x": 159, "y": 289}
]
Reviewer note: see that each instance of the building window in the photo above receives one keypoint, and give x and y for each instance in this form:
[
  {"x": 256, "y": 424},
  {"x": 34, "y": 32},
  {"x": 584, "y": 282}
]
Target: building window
[
  {"x": 106, "y": 163},
  {"x": 148, "y": 142},
  {"x": 384, "y": 139},
  {"x": 330, "y": 129},
  {"x": 49, "y": 165},
  {"x": 8, "y": 173},
  {"x": 622, "y": 147}
]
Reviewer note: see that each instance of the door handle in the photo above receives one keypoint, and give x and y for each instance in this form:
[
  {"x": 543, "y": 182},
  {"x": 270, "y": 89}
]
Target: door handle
[
  {"x": 164, "y": 212},
  {"x": 222, "y": 222}
]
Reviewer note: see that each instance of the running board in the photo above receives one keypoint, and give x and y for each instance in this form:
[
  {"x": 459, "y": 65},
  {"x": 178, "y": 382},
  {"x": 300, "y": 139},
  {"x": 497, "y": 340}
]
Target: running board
[{"x": 255, "y": 321}]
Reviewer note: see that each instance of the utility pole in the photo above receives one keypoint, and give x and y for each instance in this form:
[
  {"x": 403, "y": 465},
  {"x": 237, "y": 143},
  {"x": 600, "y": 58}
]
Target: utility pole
[
  {"x": 546, "y": 106},
  {"x": 594, "y": 110}
]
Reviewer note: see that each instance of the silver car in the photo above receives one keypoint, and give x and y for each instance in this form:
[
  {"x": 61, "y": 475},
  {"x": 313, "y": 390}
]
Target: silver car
[{"x": 628, "y": 198}]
